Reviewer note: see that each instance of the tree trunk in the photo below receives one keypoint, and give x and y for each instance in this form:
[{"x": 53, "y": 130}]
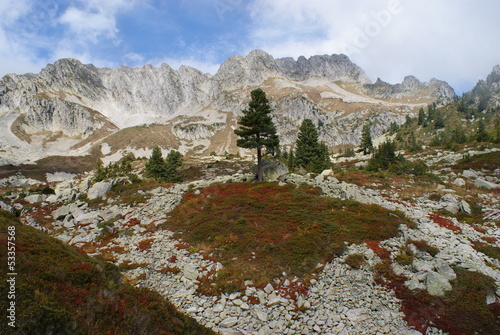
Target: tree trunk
[{"x": 259, "y": 164}]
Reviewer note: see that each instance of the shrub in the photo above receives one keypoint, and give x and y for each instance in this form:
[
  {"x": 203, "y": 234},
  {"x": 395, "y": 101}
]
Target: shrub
[
  {"x": 405, "y": 256},
  {"x": 355, "y": 261}
]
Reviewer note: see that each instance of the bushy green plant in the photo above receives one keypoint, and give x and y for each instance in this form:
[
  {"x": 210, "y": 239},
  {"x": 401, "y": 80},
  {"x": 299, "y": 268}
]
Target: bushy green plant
[{"x": 355, "y": 261}]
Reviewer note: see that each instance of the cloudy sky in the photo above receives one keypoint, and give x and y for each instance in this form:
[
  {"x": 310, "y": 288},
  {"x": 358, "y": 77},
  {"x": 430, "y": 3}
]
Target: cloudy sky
[{"x": 453, "y": 40}]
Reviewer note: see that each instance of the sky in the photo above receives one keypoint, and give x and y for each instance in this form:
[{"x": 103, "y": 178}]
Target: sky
[{"x": 453, "y": 40}]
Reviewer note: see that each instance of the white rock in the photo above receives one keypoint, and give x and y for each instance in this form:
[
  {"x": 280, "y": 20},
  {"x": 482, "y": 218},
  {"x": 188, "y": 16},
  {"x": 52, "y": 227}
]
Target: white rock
[
  {"x": 437, "y": 284},
  {"x": 269, "y": 289},
  {"x": 465, "y": 207},
  {"x": 459, "y": 182},
  {"x": 190, "y": 271},
  {"x": 228, "y": 322},
  {"x": 34, "y": 198},
  {"x": 485, "y": 184},
  {"x": 99, "y": 190}
]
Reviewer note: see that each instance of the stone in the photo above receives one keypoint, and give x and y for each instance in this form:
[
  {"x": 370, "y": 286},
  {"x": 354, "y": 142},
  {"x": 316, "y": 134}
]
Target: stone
[
  {"x": 445, "y": 270},
  {"x": 437, "y": 284},
  {"x": 190, "y": 271},
  {"x": 469, "y": 173},
  {"x": 459, "y": 182},
  {"x": 358, "y": 314},
  {"x": 481, "y": 183},
  {"x": 34, "y": 198},
  {"x": 261, "y": 315},
  {"x": 465, "y": 207},
  {"x": 98, "y": 190},
  {"x": 269, "y": 289},
  {"x": 271, "y": 171},
  {"x": 228, "y": 322}
]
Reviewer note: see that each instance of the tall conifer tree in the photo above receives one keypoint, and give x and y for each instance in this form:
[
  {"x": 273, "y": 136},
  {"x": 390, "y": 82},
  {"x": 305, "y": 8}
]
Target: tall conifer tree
[{"x": 257, "y": 130}]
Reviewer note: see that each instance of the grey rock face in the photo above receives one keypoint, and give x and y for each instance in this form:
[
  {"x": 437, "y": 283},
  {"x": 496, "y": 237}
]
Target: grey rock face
[{"x": 412, "y": 87}]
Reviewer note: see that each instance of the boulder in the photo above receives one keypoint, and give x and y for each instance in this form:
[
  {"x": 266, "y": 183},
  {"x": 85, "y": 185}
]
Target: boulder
[
  {"x": 469, "y": 173},
  {"x": 99, "y": 190},
  {"x": 35, "y": 198},
  {"x": 465, "y": 207},
  {"x": 485, "y": 184},
  {"x": 459, "y": 182},
  {"x": 437, "y": 284},
  {"x": 60, "y": 213},
  {"x": 271, "y": 171}
]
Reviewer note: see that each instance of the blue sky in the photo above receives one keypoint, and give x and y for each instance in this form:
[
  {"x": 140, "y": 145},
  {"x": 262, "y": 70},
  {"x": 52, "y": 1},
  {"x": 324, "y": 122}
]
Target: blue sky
[{"x": 453, "y": 40}]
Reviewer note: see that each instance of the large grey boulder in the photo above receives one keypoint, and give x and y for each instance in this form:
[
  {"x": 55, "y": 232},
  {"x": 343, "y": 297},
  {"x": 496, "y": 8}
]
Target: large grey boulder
[
  {"x": 437, "y": 284},
  {"x": 98, "y": 190},
  {"x": 271, "y": 171},
  {"x": 485, "y": 184},
  {"x": 34, "y": 198}
]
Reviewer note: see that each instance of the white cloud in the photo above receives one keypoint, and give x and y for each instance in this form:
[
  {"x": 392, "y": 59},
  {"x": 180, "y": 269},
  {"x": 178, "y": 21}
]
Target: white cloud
[{"x": 457, "y": 41}]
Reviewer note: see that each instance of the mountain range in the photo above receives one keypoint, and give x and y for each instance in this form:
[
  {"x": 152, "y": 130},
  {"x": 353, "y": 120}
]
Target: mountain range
[{"x": 72, "y": 109}]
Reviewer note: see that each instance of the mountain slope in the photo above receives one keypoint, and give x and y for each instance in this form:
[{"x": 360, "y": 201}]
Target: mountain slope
[{"x": 70, "y": 107}]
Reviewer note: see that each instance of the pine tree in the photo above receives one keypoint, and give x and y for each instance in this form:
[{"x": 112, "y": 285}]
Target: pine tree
[
  {"x": 156, "y": 167},
  {"x": 383, "y": 156},
  {"x": 307, "y": 144},
  {"x": 366, "y": 145},
  {"x": 438, "y": 120},
  {"x": 322, "y": 162},
  {"x": 421, "y": 117},
  {"x": 290, "y": 163},
  {"x": 257, "y": 130},
  {"x": 482, "y": 135},
  {"x": 173, "y": 162}
]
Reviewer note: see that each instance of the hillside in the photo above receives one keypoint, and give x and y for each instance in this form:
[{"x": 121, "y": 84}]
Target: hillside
[
  {"x": 58, "y": 289},
  {"x": 348, "y": 250}
]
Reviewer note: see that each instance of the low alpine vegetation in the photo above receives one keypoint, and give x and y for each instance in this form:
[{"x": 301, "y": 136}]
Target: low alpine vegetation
[{"x": 261, "y": 230}]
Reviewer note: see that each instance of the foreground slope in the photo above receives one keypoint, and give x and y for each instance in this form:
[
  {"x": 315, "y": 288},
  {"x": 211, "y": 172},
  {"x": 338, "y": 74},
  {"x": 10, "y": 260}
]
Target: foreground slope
[{"x": 60, "y": 290}]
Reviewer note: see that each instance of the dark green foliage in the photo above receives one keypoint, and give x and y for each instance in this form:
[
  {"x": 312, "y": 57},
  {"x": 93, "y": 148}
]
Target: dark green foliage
[
  {"x": 421, "y": 117},
  {"x": 290, "y": 162},
  {"x": 438, "y": 120},
  {"x": 412, "y": 144},
  {"x": 383, "y": 156},
  {"x": 394, "y": 127},
  {"x": 156, "y": 167},
  {"x": 366, "y": 145},
  {"x": 174, "y": 162},
  {"x": 164, "y": 171},
  {"x": 122, "y": 168},
  {"x": 60, "y": 290},
  {"x": 431, "y": 112},
  {"x": 257, "y": 130},
  {"x": 497, "y": 129},
  {"x": 311, "y": 154},
  {"x": 481, "y": 134}
]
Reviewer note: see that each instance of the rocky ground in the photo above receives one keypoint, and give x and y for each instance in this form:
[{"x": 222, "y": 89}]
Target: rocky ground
[{"x": 339, "y": 300}]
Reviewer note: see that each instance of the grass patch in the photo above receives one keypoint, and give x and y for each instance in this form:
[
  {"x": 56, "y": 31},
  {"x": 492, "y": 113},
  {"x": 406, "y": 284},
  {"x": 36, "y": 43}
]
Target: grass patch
[
  {"x": 355, "y": 261},
  {"x": 60, "y": 290},
  {"x": 487, "y": 249},
  {"x": 489, "y": 161},
  {"x": 260, "y": 230}
]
